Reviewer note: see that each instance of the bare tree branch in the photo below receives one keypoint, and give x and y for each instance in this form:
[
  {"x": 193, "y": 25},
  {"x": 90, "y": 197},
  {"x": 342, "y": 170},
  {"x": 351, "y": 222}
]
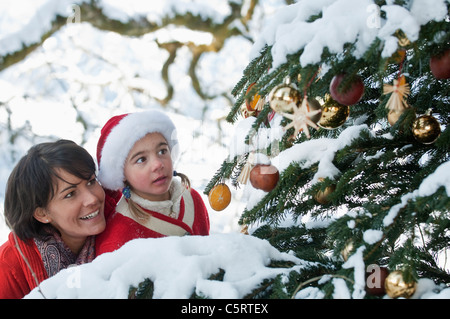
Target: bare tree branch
[{"x": 93, "y": 14}]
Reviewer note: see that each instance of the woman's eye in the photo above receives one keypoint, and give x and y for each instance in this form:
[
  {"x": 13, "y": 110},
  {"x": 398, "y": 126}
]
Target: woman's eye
[
  {"x": 70, "y": 195},
  {"x": 92, "y": 182}
]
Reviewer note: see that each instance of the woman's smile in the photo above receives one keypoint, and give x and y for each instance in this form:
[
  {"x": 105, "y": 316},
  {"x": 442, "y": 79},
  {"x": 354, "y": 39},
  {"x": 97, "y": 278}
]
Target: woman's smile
[{"x": 91, "y": 215}]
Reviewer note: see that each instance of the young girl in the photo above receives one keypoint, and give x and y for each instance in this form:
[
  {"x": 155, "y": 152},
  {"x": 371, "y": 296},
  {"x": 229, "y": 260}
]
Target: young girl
[{"x": 135, "y": 155}]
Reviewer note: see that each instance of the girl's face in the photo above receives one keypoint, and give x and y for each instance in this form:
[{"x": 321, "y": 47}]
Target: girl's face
[
  {"x": 76, "y": 210},
  {"x": 148, "y": 168}
]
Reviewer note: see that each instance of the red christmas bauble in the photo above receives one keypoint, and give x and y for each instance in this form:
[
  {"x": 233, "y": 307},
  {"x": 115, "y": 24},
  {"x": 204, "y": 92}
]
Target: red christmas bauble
[
  {"x": 349, "y": 95},
  {"x": 440, "y": 65},
  {"x": 375, "y": 279},
  {"x": 264, "y": 177}
]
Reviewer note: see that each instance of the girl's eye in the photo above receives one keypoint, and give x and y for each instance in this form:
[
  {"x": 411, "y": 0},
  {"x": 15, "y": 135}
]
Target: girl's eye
[
  {"x": 163, "y": 151},
  {"x": 140, "y": 160},
  {"x": 92, "y": 182}
]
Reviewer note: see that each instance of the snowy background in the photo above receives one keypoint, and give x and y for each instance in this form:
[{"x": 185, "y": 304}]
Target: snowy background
[{"x": 81, "y": 76}]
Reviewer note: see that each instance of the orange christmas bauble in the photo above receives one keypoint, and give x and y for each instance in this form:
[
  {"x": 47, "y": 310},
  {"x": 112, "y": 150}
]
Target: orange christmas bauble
[
  {"x": 219, "y": 197},
  {"x": 253, "y": 101}
]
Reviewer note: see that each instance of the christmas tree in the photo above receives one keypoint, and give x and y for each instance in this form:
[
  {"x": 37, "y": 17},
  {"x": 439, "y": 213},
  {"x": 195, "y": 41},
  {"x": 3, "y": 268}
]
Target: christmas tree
[{"x": 342, "y": 146}]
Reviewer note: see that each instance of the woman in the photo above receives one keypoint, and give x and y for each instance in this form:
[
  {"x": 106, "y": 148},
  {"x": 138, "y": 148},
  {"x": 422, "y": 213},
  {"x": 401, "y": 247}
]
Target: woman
[{"x": 54, "y": 207}]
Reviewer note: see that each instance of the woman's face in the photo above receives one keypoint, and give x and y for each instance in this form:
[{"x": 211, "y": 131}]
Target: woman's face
[
  {"x": 148, "y": 167},
  {"x": 76, "y": 209}
]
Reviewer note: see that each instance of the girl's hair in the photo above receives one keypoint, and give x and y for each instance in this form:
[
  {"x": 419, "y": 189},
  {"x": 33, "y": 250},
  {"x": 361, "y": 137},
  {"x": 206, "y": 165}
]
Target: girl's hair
[
  {"x": 33, "y": 181},
  {"x": 139, "y": 214},
  {"x": 184, "y": 179}
]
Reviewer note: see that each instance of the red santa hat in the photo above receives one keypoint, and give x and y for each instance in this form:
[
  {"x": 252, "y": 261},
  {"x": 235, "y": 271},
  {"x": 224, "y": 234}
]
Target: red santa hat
[{"x": 118, "y": 137}]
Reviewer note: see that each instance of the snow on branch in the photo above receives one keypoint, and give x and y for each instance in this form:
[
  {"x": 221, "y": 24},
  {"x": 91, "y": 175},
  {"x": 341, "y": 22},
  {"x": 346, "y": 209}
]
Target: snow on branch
[
  {"x": 339, "y": 22},
  {"x": 177, "y": 266}
]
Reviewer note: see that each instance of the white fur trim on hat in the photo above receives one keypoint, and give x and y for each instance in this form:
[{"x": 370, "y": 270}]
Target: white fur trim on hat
[{"x": 122, "y": 138}]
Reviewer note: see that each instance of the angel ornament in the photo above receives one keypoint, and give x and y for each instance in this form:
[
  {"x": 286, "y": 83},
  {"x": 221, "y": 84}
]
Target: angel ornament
[{"x": 397, "y": 101}]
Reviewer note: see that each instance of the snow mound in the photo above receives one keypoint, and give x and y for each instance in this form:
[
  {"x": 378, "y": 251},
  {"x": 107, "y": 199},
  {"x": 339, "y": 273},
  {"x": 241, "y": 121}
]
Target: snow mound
[{"x": 177, "y": 266}]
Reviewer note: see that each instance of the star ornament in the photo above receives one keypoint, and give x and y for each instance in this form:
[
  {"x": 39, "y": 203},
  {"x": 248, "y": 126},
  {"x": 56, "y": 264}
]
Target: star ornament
[{"x": 301, "y": 118}]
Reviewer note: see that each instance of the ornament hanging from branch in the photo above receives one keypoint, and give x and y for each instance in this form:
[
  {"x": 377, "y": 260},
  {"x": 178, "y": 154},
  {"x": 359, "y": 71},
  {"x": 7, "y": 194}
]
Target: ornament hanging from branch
[
  {"x": 245, "y": 173},
  {"x": 301, "y": 118},
  {"x": 440, "y": 65},
  {"x": 349, "y": 94},
  {"x": 284, "y": 97},
  {"x": 322, "y": 197},
  {"x": 399, "y": 91},
  {"x": 287, "y": 104},
  {"x": 253, "y": 105},
  {"x": 397, "y": 101},
  {"x": 426, "y": 128},
  {"x": 264, "y": 177},
  {"x": 219, "y": 197},
  {"x": 396, "y": 286},
  {"x": 334, "y": 114}
]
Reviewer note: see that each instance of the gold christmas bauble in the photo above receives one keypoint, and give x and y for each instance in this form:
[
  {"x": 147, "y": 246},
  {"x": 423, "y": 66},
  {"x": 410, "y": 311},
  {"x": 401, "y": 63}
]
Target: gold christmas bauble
[
  {"x": 314, "y": 105},
  {"x": 322, "y": 196},
  {"x": 426, "y": 129},
  {"x": 333, "y": 114},
  {"x": 396, "y": 286},
  {"x": 283, "y": 97}
]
